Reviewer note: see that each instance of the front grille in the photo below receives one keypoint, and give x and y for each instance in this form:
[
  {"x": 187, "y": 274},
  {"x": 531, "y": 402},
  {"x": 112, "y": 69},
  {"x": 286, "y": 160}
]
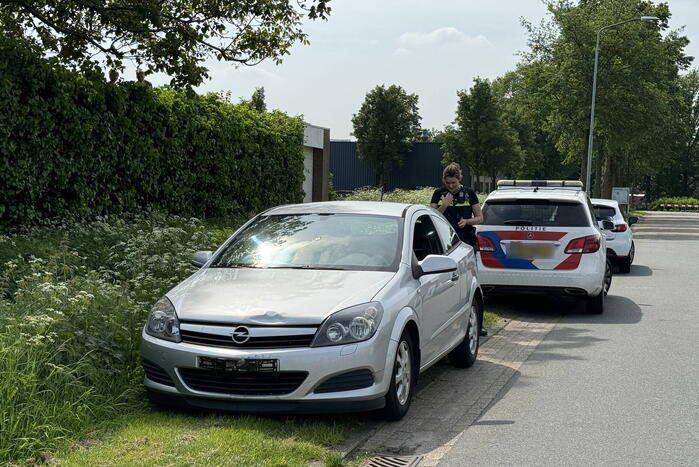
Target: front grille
[
  {"x": 156, "y": 374},
  {"x": 357, "y": 379},
  {"x": 266, "y": 342},
  {"x": 244, "y": 384}
]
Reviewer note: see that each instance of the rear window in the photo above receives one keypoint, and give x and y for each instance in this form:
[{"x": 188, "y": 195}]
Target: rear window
[
  {"x": 604, "y": 211},
  {"x": 535, "y": 212}
]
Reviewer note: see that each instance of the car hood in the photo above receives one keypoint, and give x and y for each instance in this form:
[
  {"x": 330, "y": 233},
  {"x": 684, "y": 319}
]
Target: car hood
[{"x": 272, "y": 296}]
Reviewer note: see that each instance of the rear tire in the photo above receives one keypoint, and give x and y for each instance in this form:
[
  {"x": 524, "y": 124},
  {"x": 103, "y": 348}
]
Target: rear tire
[
  {"x": 400, "y": 391},
  {"x": 464, "y": 355},
  {"x": 625, "y": 263}
]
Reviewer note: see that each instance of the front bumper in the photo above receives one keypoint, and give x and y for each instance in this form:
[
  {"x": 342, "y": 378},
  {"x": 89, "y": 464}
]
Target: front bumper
[{"x": 320, "y": 363}]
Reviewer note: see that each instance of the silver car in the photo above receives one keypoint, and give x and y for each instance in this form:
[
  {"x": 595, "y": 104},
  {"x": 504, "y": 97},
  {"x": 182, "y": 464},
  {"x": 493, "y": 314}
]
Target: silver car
[{"x": 320, "y": 307}]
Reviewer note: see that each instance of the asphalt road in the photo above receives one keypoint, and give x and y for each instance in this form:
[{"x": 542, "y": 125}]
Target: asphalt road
[{"x": 617, "y": 389}]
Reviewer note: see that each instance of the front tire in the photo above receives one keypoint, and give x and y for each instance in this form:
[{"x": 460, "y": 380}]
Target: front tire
[
  {"x": 400, "y": 391},
  {"x": 464, "y": 355}
]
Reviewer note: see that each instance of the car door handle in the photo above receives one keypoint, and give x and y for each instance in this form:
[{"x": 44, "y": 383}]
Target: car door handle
[{"x": 455, "y": 277}]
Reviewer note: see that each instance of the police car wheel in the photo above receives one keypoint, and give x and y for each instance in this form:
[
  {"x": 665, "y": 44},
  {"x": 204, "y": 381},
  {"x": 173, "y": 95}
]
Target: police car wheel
[
  {"x": 607, "y": 277},
  {"x": 400, "y": 390}
]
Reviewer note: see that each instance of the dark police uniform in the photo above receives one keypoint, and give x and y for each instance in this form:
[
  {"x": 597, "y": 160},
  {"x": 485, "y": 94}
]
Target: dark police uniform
[{"x": 460, "y": 208}]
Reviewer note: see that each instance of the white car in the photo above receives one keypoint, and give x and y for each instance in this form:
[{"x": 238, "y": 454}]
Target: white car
[
  {"x": 320, "y": 307},
  {"x": 542, "y": 237},
  {"x": 620, "y": 246}
]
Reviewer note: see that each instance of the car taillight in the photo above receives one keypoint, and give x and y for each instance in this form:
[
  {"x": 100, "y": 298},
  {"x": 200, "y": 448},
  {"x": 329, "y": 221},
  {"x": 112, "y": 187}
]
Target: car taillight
[
  {"x": 588, "y": 244},
  {"x": 485, "y": 244},
  {"x": 620, "y": 228}
]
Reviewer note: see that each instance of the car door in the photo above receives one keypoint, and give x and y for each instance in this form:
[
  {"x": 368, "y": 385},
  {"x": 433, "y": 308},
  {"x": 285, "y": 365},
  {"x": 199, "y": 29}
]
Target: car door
[
  {"x": 456, "y": 324},
  {"x": 437, "y": 292}
]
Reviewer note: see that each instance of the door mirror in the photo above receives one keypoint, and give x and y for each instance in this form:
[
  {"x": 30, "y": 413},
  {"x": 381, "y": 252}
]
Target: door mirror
[
  {"x": 436, "y": 264},
  {"x": 633, "y": 220},
  {"x": 607, "y": 225},
  {"x": 200, "y": 258}
]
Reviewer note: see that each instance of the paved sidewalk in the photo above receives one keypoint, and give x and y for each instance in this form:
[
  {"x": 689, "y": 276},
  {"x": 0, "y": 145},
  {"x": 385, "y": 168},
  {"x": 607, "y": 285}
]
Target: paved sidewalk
[{"x": 449, "y": 400}]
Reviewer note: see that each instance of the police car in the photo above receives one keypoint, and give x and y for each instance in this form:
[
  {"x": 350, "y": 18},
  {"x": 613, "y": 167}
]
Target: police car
[
  {"x": 620, "y": 246},
  {"x": 542, "y": 236}
]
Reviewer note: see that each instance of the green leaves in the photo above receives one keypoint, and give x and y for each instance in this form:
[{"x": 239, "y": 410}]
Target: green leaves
[
  {"x": 481, "y": 140},
  {"x": 77, "y": 147},
  {"x": 385, "y": 126},
  {"x": 170, "y": 36},
  {"x": 637, "y": 94}
]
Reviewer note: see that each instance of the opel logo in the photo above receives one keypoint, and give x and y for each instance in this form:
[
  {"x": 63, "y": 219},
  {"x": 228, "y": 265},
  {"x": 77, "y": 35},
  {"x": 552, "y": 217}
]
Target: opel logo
[{"x": 241, "y": 335}]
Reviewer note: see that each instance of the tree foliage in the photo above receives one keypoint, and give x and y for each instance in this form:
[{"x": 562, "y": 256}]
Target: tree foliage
[
  {"x": 170, "y": 36},
  {"x": 386, "y": 126},
  {"x": 481, "y": 138},
  {"x": 637, "y": 95}
]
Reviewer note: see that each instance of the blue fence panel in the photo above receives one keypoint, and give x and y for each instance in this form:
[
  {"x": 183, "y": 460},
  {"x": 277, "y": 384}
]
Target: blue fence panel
[{"x": 422, "y": 167}]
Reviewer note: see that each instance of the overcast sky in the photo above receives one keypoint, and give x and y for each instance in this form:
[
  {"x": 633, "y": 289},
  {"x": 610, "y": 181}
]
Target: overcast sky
[{"x": 431, "y": 48}]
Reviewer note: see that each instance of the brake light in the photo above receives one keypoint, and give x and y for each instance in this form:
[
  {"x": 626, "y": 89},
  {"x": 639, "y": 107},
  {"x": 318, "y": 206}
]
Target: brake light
[
  {"x": 620, "y": 228},
  {"x": 485, "y": 244},
  {"x": 588, "y": 244}
]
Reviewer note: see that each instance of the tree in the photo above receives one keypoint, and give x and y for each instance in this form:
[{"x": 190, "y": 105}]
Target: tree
[
  {"x": 481, "y": 139},
  {"x": 257, "y": 100},
  {"x": 171, "y": 36},
  {"x": 540, "y": 160},
  {"x": 637, "y": 93},
  {"x": 680, "y": 176},
  {"x": 386, "y": 126}
]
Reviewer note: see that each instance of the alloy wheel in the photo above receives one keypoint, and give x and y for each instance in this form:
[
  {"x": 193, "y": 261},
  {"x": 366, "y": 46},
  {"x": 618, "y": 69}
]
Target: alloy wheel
[{"x": 403, "y": 373}]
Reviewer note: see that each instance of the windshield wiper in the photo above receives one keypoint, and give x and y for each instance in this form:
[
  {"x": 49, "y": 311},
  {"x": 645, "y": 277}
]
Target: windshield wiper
[
  {"x": 237, "y": 265},
  {"x": 517, "y": 222},
  {"x": 309, "y": 266}
]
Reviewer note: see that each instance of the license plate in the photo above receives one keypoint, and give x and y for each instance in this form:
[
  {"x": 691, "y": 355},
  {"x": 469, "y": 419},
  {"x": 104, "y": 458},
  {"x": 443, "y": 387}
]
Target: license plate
[
  {"x": 239, "y": 365},
  {"x": 529, "y": 250}
]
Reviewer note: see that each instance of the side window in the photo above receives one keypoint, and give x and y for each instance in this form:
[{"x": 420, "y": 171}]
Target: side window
[
  {"x": 447, "y": 234},
  {"x": 425, "y": 238}
]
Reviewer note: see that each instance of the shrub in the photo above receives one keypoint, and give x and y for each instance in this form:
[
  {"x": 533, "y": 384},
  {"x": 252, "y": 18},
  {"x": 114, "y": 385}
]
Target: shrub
[
  {"x": 73, "y": 145},
  {"x": 73, "y": 300},
  {"x": 656, "y": 205}
]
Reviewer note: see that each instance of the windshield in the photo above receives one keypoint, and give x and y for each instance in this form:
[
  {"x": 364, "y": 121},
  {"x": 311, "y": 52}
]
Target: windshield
[
  {"x": 317, "y": 241},
  {"x": 535, "y": 212}
]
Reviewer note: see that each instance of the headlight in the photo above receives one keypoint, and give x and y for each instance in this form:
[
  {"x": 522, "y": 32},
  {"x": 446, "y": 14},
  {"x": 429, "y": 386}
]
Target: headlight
[
  {"x": 354, "y": 324},
  {"x": 163, "y": 322}
]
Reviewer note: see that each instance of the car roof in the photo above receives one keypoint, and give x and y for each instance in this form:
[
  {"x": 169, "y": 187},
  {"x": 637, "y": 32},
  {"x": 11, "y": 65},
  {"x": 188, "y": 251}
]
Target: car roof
[
  {"x": 380, "y": 208},
  {"x": 605, "y": 202},
  {"x": 530, "y": 193}
]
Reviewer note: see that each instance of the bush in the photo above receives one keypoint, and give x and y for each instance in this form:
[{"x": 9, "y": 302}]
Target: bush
[
  {"x": 656, "y": 205},
  {"x": 73, "y": 145},
  {"x": 73, "y": 300}
]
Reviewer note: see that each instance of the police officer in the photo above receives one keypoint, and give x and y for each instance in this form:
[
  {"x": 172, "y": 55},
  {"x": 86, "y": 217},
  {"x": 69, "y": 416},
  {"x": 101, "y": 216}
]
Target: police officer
[{"x": 461, "y": 207}]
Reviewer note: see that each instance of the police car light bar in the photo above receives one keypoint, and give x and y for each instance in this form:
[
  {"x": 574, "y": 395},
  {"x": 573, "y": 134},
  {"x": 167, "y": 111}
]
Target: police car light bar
[{"x": 540, "y": 183}]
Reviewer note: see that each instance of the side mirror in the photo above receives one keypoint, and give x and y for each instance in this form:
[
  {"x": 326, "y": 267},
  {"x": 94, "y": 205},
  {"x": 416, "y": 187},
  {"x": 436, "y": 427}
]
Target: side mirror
[
  {"x": 607, "y": 225},
  {"x": 633, "y": 220},
  {"x": 200, "y": 258},
  {"x": 436, "y": 264}
]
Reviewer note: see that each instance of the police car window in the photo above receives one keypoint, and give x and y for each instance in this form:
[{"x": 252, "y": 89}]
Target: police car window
[
  {"x": 425, "y": 238},
  {"x": 535, "y": 212},
  {"x": 604, "y": 211},
  {"x": 447, "y": 234}
]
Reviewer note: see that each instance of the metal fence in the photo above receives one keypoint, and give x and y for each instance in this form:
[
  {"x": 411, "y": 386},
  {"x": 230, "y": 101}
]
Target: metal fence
[{"x": 421, "y": 167}]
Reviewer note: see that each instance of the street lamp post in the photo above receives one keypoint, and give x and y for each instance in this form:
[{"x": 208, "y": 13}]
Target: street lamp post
[{"x": 647, "y": 19}]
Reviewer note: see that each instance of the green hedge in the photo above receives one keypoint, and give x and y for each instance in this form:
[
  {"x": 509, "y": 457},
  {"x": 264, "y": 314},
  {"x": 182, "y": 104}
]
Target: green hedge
[
  {"x": 657, "y": 204},
  {"x": 73, "y": 145}
]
